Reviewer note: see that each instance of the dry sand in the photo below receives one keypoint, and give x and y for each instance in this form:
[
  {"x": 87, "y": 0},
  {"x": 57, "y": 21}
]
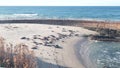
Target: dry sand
[{"x": 48, "y": 57}]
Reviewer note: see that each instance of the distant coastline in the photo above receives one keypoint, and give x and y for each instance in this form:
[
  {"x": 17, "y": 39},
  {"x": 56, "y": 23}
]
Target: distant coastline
[{"x": 68, "y": 22}]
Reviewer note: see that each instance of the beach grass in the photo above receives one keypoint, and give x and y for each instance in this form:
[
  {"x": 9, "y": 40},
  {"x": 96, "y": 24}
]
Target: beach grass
[{"x": 18, "y": 56}]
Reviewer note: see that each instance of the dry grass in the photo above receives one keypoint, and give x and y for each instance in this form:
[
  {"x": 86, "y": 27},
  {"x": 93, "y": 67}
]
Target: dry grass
[
  {"x": 98, "y": 24},
  {"x": 16, "y": 57}
]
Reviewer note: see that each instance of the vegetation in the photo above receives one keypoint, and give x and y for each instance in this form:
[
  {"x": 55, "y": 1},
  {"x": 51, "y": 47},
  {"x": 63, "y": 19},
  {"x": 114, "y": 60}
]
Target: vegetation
[
  {"x": 18, "y": 56},
  {"x": 105, "y": 33}
]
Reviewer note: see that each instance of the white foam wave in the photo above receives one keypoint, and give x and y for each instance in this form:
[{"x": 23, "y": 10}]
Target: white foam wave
[
  {"x": 18, "y": 16},
  {"x": 117, "y": 52},
  {"x": 25, "y": 15}
]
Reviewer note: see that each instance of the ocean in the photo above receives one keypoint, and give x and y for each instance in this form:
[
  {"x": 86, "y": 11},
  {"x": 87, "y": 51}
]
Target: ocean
[
  {"x": 99, "y": 54},
  {"x": 61, "y": 12}
]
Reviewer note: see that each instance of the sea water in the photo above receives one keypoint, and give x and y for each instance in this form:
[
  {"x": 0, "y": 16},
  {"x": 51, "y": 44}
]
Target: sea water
[
  {"x": 60, "y": 12},
  {"x": 105, "y": 54},
  {"x": 99, "y": 54}
]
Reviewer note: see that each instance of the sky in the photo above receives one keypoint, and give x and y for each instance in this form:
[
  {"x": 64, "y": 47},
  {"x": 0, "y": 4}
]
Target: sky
[{"x": 59, "y": 2}]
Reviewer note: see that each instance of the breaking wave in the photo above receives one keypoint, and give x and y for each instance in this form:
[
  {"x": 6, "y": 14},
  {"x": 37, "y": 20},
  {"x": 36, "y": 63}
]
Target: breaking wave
[
  {"x": 18, "y": 16},
  {"x": 25, "y": 15}
]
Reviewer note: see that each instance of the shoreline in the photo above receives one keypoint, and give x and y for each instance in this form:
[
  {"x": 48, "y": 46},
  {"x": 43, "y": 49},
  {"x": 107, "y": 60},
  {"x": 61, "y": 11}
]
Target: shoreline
[
  {"x": 48, "y": 56},
  {"x": 70, "y": 54},
  {"x": 76, "y": 59},
  {"x": 77, "y": 48},
  {"x": 71, "y": 19},
  {"x": 82, "y": 52},
  {"x": 39, "y": 21}
]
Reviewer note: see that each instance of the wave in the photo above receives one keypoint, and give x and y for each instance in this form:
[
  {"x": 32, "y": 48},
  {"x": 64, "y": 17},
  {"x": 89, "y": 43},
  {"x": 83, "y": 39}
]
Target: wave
[
  {"x": 105, "y": 54},
  {"x": 25, "y": 15},
  {"x": 30, "y": 16},
  {"x": 36, "y": 16},
  {"x": 18, "y": 16},
  {"x": 100, "y": 54}
]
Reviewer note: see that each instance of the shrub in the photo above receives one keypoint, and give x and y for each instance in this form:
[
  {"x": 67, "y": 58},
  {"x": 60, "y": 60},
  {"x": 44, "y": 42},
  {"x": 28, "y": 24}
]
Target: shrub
[{"x": 18, "y": 56}]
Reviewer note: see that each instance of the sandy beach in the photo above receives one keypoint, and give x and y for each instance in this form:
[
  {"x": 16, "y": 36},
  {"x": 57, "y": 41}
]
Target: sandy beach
[{"x": 53, "y": 45}]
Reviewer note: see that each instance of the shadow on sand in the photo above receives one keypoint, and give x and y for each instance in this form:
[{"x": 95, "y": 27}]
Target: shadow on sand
[{"x": 42, "y": 64}]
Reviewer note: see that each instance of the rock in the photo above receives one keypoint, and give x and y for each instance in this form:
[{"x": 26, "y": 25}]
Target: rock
[
  {"x": 36, "y": 43},
  {"x": 57, "y": 46},
  {"x": 76, "y": 34},
  {"x": 52, "y": 31},
  {"x": 35, "y": 47},
  {"x": 64, "y": 30},
  {"x": 57, "y": 26},
  {"x": 27, "y": 38},
  {"x": 52, "y": 36},
  {"x": 34, "y": 37},
  {"x": 45, "y": 38},
  {"x": 23, "y": 38}
]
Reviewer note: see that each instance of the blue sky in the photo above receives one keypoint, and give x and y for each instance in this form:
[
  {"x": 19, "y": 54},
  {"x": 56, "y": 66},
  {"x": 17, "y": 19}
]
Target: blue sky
[{"x": 60, "y": 2}]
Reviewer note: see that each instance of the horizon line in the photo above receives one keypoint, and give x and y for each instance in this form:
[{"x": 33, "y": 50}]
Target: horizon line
[{"x": 64, "y": 5}]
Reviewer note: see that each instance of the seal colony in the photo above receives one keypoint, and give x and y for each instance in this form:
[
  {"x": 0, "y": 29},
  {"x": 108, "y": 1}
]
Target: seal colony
[{"x": 52, "y": 40}]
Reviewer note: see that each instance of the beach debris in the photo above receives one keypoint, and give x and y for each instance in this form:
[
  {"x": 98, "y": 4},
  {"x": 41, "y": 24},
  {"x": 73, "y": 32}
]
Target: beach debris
[
  {"x": 77, "y": 35},
  {"x": 47, "y": 44},
  {"x": 35, "y": 37},
  {"x": 50, "y": 42},
  {"x": 36, "y": 43},
  {"x": 52, "y": 36},
  {"x": 52, "y": 31},
  {"x": 25, "y": 38},
  {"x": 40, "y": 43},
  {"x": 57, "y": 26},
  {"x": 57, "y": 46},
  {"x": 15, "y": 27},
  {"x": 45, "y": 38},
  {"x": 49, "y": 27},
  {"x": 57, "y": 38},
  {"x": 71, "y": 31},
  {"x": 10, "y": 27},
  {"x": 34, "y": 47},
  {"x": 61, "y": 35},
  {"x": 64, "y": 30}
]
